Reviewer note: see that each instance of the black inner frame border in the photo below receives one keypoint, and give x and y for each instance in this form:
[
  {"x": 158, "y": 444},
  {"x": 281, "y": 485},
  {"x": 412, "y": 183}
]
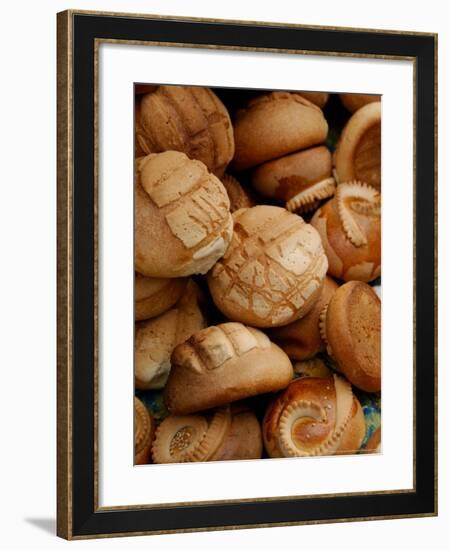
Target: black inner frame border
[{"x": 86, "y": 520}]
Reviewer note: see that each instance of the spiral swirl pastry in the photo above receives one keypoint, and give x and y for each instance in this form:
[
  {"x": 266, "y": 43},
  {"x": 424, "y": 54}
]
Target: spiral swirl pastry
[{"x": 314, "y": 417}]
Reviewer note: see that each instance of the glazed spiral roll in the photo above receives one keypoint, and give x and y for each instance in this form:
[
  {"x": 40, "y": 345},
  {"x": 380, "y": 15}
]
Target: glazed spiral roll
[{"x": 313, "y": 417}]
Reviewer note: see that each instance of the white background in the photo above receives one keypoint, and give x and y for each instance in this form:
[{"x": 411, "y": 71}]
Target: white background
[{"x": 27, "y": 300}]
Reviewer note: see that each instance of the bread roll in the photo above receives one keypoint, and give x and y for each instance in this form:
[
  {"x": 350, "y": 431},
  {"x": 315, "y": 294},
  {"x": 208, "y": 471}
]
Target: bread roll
[
  {"x": 156, "y": 339},
  {"x": 222, "y": 364},
  {"x": 189, "y": 119},
  {"x": 353, "y": 102},
  {"x": 182, "y": 220},
  {"x": 358, "y": 152},
  {"x": 350, "y": 230},
  {"x": 312, "y": 417},
  {"x": 318, "y": 98},
  {"x": 238, "y": 196},
  {"x": 273, "y": 271},
  {"x": 301, "y": 179},
  {"x": 144, "y": 429},
  {"x": 350, "y": 326},
  {"x": 154, "y": 296},
  {"x": 274, "y": 125},
  {"x": 302, "y": 339}
]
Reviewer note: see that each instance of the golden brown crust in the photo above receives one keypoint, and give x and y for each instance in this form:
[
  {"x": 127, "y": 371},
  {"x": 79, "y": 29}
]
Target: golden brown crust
[
  {"x": 155, "y": 296},
  {"x": 156, "y": 338},
  {"x": 183, "y": 224},
  {"x": 352, "y": 327},
  {"x": 318, "y": 98},
  {"x": 302, "y": 339},
  {"x": 191, "y": 438},
  {"x": 189, "y": 119},
  {"x": 350, "y": 230},
  {"x": 312, "y": 417},
  {"x": 301, "y": 179},
  {"x": 144, "y": 430},
  {"x": 222, "y": 364},
  {"x": 355, "y": 431},
  {"x": 274, "y": 125},
  {"x": 353, "y": 102},
  {"x": 238, "y": 196},
  {"x": 358, "y": 152},
  {"x": 273, "y": 270},
  {"x": 244, "y": 438}
]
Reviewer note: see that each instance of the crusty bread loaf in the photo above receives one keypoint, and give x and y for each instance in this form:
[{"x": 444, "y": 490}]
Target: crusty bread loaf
[
  {"x": 190, "y": 119},
  {"x": 318, "y": 98},
  {"x": 273, "y": 270},
  {"x": 144, "y": 429},
  {"x": 350, "y": 326},
  {"x": 183, "y": 224},
  {"x": 156, "y": 338},
  {"x": 312, "y": 417},
  {"x": 154, "y": 296},
  {"x": 222, "y": 364},
  {"x": 353, "y": 102},
  {"x": 302, "y": 339},
  {"x": 300, "y": 179},
  {"x": 350, "y": 230},
  {"x": 274, "y": 125},
  {"x": 358, "y": 152}
]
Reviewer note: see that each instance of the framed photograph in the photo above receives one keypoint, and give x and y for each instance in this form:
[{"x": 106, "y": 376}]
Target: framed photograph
[{"x": 246, "y": 274}]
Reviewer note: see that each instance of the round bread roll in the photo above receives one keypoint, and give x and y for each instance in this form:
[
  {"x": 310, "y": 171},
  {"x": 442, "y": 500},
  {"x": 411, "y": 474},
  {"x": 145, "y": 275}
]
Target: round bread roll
[
  {"x": 189, "y": 119},
  {"x": 182, "y": 220},
  {"x": 144, "y": 429},
  {"x": 238, "y": 197},
  {"x": 154, "y": 296},
  {"x": 315, "y": 367},
  {"x": 301, "y": 179},
  {"x": 358, "y": 152},
  {"x": 273, "y": 270},
  {"x": 222, "y": 364},
  {"x": 318, "y": 98},
  {"x": 313, "y": 417},
  {"x": 156, "y": 339},
  {"x": 244, "y": 438},
  {"x": 191, "y": 438},
  {"x": 302, "y": 339},
  {"x": 274, "y": 125},
  {"x": 350, "y": 230},
  {"x": 350, "y": 327},
  {"x": 353, "y": 102}
]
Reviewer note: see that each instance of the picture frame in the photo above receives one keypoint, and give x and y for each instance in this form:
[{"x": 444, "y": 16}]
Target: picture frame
[{"x": 79, "y": 511}]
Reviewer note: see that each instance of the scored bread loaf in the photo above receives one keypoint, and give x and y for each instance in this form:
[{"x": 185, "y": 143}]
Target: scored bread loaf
[{"x": 222, "y": 364}]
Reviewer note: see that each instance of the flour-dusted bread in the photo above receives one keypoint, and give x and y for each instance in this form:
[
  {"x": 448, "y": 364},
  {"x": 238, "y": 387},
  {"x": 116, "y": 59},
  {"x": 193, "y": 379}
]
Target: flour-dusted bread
[
  {"x": 274, "y": 125},
  {"x": 273, "y": 270},
  {"x": 350, "y": 229},
  {"x": 144, "y": 430},
  {"x": 156, "y": 338},
  {"x": 301, "y": 179},
  {"x": 183, "y": 224},
  {"x": 222, "y": 364},
  {"x": 154, "y": 296},
  {"x": 351, "y": 327},
  {"x": 190, "y": 119},
  {"x": 358, "y": 152},
  {"x": 313, "y": 417},
  {"x": 302, "y": 339}
]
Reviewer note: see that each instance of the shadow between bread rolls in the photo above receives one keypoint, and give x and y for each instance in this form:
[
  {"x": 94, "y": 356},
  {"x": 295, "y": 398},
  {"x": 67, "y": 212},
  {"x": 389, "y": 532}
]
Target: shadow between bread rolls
[{"x": 257, "y": 251}]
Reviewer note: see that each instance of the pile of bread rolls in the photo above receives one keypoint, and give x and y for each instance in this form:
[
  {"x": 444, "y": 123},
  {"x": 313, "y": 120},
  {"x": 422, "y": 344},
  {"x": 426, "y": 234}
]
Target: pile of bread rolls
[{"x": 257, "y": 260}]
